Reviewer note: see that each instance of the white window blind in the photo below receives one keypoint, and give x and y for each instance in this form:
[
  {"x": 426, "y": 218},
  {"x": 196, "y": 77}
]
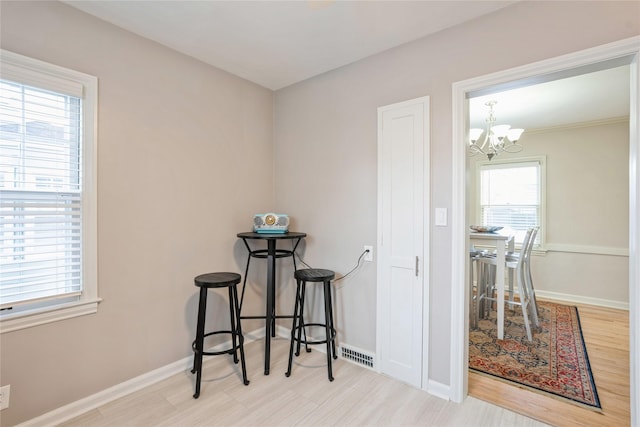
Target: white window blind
[
  {"x": 40, "y": 194},
  {"x": 511, "y": 195}
]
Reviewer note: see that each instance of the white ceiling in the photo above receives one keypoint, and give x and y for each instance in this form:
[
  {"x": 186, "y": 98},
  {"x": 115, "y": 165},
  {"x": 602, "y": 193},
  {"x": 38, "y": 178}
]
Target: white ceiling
[
  {"x": 597, "y": 95},
  {"x": 279, "y": 43}
]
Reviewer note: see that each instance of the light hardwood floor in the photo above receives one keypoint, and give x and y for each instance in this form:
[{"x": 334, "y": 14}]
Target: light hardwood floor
[
  {"x": 357, "y": 397},
  {"x": 606, "y": 335}
]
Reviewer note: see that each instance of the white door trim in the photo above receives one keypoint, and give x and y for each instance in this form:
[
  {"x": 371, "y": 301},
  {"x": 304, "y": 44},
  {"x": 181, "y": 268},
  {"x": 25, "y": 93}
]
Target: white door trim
[{"x": 459, "y": 310}]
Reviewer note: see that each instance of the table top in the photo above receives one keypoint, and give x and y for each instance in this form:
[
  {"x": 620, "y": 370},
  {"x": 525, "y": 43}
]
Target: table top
[
  {"x": 500, "y": 235},
  {"x": 272, "y": 236}
]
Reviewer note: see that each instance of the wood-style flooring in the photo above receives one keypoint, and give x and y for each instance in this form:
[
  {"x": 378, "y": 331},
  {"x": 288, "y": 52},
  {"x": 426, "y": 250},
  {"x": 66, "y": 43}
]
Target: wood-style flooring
[
  {"x": 357, "y": 397},
  {"x": 606, "y": 335},
  {"x": 360, "y": 397}
]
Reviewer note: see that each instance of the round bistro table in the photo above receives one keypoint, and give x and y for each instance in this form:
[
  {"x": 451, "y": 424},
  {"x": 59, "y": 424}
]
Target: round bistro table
[{"x": 270, "y": 254}]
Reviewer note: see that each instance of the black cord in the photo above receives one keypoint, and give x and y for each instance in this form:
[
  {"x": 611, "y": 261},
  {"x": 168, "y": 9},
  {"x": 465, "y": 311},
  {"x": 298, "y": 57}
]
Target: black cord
[
  {"x": 301, "y": 260},
  {"x": 354, "y": 268},
  {"x": 342, "y": 277}
]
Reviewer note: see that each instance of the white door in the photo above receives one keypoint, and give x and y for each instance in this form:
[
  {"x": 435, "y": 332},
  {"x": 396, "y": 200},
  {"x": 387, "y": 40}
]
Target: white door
[{"x": 402, "y": 206}]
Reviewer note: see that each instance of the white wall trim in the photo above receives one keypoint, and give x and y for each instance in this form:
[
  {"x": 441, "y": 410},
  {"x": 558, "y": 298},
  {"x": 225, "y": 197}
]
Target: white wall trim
[
  {"x": 459, "y": 345},
  {"x": 79, "y": 407},
  {"x": 84, "y": 405},
  {"x": 584, "y": 249},
  {"x": 620, "y": 51},
  {"x": 578, "y": 299},
  {"x": 580, "y": 125},
  {"x": 440, "y": 390},
  {"x": 570, "y": 249},
  {"x": 53, "y": 313}
]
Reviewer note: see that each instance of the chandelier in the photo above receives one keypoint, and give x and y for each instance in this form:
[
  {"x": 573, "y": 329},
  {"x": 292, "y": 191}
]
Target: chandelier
[{"x": 496, "y": 138}]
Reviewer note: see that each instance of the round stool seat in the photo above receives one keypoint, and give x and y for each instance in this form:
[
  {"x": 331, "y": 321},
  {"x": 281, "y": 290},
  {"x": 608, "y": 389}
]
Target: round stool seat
[
  {"x": 314, "y": 275},
  {"x": 217, "y": 280}
]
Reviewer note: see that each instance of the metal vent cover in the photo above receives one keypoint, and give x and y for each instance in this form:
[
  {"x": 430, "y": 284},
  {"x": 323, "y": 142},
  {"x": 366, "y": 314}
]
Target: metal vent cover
[{"x": 357, "y": 356}]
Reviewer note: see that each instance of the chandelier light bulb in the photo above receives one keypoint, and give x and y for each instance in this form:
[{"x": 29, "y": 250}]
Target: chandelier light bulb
[
  {"x": 514, "y": 135},
  {"x": 500, "y": 131},
  {"x": 475, "y": 134},
  {"x": 497, "y": 138}
]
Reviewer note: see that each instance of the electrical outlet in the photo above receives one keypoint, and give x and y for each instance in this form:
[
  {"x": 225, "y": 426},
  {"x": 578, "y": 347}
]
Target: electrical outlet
[
  {"x": 4, "y": 396},
  {"x": 369, "y": 255}
]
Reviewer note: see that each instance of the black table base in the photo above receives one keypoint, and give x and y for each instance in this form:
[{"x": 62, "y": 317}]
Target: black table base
[{"x": 270, "y": 254}]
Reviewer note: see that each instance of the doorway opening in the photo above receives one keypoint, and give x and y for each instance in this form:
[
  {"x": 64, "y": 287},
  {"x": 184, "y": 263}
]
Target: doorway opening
[{"x": 603, "y": 57}]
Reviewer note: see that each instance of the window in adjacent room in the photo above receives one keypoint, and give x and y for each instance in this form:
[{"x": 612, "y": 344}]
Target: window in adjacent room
[
  {"x": 48, "y": 238},
  {"x": 512, "y": 195}
]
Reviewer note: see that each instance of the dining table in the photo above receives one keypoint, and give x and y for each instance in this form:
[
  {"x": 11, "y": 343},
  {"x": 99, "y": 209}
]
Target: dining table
[
  {"x": 271, "y": 253},
  {"x": 501, "y": 240}
]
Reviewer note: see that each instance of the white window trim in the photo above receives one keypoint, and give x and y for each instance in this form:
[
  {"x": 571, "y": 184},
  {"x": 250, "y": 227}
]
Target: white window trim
[
  {"x": 87, "y": 303},
  {"x": 540, "y": 248}
]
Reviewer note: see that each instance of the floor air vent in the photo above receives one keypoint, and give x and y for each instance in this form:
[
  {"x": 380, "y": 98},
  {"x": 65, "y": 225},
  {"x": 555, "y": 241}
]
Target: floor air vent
[{"x": 357, "y": 356}]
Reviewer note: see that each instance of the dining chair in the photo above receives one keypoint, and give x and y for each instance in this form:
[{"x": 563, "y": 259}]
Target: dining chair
[
  {"x": 474, "y": 283},
  {"x": 532, "y": 290},
  {"x": 513, "y": 256},
  {"x": 527, "y": 274},
  {"x": 518, "y": 263}
]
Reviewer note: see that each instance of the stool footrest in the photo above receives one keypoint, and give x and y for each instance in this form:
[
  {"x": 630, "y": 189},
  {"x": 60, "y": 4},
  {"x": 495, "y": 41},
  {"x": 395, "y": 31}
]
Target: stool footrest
[
  {"x": 306, "y": 340},
  {"x": 231, "y": 350},
  {"x": 279, "y": 316}
]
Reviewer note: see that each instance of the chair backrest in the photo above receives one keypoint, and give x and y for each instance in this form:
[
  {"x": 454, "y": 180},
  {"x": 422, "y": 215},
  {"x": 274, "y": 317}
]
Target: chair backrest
[
  {"x": 523, "y": 263},
  {"x": 524, "y": 251},
  {"x": 531, "y": 242},
  {"x": 527, "y": 242}
]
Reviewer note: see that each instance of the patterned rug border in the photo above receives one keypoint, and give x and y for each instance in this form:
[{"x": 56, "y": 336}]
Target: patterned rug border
[{"x": 552, "y": 394}]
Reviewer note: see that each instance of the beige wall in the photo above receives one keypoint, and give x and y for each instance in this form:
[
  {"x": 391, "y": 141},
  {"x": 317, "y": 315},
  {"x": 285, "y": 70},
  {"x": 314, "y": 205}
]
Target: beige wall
[
  {"x": 325, "y": 138},
  {"x": 174, "y": 134},
  {"x": 181, "y": 149},
  {"x": 587, "y": 210}
]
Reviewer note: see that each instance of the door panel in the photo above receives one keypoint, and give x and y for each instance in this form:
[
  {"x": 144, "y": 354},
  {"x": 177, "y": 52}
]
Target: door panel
[{"x": 401, "y": 212}]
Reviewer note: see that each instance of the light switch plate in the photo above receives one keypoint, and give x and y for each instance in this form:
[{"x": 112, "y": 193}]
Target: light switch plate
[{"x": 441, "y": 217}]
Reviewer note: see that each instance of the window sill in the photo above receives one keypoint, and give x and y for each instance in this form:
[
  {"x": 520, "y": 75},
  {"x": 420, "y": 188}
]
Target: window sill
[{"x": 27, "y": 319}]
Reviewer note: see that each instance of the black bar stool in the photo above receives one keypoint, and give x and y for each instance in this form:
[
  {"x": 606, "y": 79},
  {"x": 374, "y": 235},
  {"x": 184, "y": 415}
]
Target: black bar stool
[
  {"x": 325, "y": 277},
  {"x": 205, "y": 282}
]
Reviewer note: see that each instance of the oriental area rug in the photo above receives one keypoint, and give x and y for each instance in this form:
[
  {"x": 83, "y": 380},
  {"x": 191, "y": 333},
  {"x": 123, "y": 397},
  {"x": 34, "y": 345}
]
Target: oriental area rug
[{"x": 554, "y": 363}]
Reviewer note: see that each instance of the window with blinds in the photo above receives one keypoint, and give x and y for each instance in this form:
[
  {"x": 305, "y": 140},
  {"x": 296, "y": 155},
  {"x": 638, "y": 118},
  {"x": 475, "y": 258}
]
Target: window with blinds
[
  {"x": 47, "y": 215},
  {"x": 41, "y": 204},
  {"x": 511, "y": 195}
]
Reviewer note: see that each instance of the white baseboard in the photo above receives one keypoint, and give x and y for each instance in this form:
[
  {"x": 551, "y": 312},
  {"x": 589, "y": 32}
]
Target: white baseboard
[
  {"x": 440, "y": 390},
  {"x": 620, "y": 305},
  {"x": 103, "y": 397},
  {"x": 79, "y": 407}
]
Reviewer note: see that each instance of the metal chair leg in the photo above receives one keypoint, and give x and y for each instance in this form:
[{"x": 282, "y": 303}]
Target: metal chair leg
[
  {"x": 328, "y": 330},
  {"x": 197, "y": 356},
  {"x": 294, "y": 325}
]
